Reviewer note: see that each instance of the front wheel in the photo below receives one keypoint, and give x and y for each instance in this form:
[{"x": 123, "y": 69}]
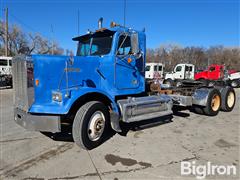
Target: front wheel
[
  {"x": 213, "y": 104},
  {"x": 169, "y": 82},
  {"x": 90, "y": 125},
  {"x": 235, "y": 83}
]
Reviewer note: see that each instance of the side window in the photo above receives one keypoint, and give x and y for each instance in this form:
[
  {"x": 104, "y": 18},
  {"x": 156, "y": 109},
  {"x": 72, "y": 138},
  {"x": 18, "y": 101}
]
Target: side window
[
  {"x": 190, "y": 68},
  {"x": 3, "y": 62},
  {"x": 157, "y": 68},
  {"x": 94, "y": 49},
  {"x": 84, "y": 48},
  {"x": 147, "y": 68},
  {"x": 124, "y": 45},
  {"x": 212, "y": 69},
  {"x": 10, "y": 62},
  {"x": 179, "y": 68}
]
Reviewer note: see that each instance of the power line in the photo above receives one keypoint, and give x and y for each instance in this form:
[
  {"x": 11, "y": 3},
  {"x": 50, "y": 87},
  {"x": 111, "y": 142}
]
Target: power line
[
  {"x": 78, "y": 22},
  {"x": 28, "y": 26},
  {"x": 124, "y": 13}
]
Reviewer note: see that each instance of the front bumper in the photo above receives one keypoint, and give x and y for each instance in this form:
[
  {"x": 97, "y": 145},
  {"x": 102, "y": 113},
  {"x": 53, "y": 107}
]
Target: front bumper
[{"x": 37, "y": 122}]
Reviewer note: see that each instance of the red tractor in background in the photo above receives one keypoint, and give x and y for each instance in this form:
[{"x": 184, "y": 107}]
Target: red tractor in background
[{"x": 218, "y": 74}]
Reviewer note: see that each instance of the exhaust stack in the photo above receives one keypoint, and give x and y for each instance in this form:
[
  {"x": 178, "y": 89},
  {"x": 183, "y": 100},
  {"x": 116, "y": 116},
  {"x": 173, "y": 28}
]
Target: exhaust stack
[{"x": 100, "y": 23}]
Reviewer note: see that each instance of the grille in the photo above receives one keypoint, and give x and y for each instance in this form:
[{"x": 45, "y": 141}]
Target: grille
[{"x": 23, "y": 82}]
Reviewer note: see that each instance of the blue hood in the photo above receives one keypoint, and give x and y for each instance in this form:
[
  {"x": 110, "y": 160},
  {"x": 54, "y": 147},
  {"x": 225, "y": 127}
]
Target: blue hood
[{"x": 59, "y": 73}]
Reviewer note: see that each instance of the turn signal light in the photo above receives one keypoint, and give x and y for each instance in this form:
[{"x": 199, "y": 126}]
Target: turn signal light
[{"x": 36, "y": 82}]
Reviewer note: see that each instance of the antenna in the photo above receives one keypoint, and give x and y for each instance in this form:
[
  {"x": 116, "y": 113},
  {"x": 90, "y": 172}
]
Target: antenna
[
  {"x": 124, "y": 12},
  {"x": 78, "y": 22}
]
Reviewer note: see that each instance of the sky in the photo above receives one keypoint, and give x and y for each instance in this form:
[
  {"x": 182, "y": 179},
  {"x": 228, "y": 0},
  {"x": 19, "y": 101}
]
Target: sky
[{"x": 201, "y": 23}]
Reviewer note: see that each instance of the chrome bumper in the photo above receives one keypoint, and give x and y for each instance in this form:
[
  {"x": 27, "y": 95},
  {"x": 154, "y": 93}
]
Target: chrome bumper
[{"x": 38, "y": 122}]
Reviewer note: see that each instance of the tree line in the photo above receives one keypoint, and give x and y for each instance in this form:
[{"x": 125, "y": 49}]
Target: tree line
[{"x": 170, "y": 55}]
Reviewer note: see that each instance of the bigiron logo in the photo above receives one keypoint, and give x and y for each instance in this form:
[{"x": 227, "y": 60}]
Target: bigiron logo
[{"x": 201, "y": 171}]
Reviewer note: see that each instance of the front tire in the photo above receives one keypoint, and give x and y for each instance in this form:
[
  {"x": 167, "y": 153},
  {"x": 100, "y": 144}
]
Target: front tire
[
  {"x": 235, "y": 83},
  {"x": 90, "y": 125},
  {"x": 213, "y": 104}
]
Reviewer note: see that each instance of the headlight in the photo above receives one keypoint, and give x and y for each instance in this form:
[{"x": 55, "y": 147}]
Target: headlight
[{"x": 57, "y": 96}]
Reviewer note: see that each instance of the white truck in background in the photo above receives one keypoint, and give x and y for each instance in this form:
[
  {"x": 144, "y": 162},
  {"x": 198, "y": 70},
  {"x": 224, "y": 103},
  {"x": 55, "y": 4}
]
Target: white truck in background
[
  {"x": 154, "y": 70},
  {"x": 5, "y": 71},
  {"x": 180, "y": 72}
]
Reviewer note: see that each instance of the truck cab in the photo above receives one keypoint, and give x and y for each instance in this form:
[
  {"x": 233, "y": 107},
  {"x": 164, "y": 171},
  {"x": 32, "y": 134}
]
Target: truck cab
[
  {"x": 153, "y": 70},
  {"x": 214, "y": 72},
  {"x": 180, "y": 72},
  {"x": 5, "y": 65},
  {"x": 99, "y": 87},
  {"x": 96, "y": 90},
  {"x": 5, "y": 71}
]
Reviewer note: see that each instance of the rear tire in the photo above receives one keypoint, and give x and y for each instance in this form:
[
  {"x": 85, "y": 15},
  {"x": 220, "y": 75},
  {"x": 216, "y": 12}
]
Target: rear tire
[
  {"x": 90, "y": 125},
  {"x": 228, "y": 99},
  {"x": 213, "y": 104}
]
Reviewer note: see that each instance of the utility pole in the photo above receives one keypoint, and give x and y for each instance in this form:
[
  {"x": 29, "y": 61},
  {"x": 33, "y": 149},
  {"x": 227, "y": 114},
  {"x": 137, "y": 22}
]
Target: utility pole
[
  {"x": 6, "y": 32},
  {"x": 124, "y": 13}
]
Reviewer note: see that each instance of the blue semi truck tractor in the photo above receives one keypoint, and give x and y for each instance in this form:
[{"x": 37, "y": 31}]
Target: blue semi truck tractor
[{"x": 103, "y": 85}]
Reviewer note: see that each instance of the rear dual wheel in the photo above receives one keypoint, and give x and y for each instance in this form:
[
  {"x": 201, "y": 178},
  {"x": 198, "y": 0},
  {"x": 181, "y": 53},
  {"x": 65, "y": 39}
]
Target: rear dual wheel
[{"x": 216, "y": 101}]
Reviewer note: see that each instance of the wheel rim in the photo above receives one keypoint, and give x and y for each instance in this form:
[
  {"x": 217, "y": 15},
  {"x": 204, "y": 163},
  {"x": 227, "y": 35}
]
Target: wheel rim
[
  {"x": 234, "y": 84},
  {"x": 179, "y": 84},
  {"x": 215, "y": 102},
  {"x": 230, "y": 99},
  {"x": 168, "y": 83},
  {"x": 96, "y": 126}
]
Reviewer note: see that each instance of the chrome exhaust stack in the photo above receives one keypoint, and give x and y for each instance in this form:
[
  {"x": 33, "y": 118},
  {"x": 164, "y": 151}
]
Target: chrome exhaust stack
[{"x": 100, "y": 23}]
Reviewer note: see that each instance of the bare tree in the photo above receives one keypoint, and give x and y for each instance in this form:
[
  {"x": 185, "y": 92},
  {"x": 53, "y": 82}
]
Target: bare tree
[{"x": 22, "y": 43}]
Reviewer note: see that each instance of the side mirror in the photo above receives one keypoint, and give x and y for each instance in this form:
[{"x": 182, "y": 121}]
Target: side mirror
[{"x": 135, "y": 44}]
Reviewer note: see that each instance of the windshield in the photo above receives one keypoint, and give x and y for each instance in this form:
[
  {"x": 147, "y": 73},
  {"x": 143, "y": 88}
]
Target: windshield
[{"x": 95, "y": 45}]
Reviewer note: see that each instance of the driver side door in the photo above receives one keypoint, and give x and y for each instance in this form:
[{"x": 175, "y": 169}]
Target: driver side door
[{"x": 127, "y": 73}]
